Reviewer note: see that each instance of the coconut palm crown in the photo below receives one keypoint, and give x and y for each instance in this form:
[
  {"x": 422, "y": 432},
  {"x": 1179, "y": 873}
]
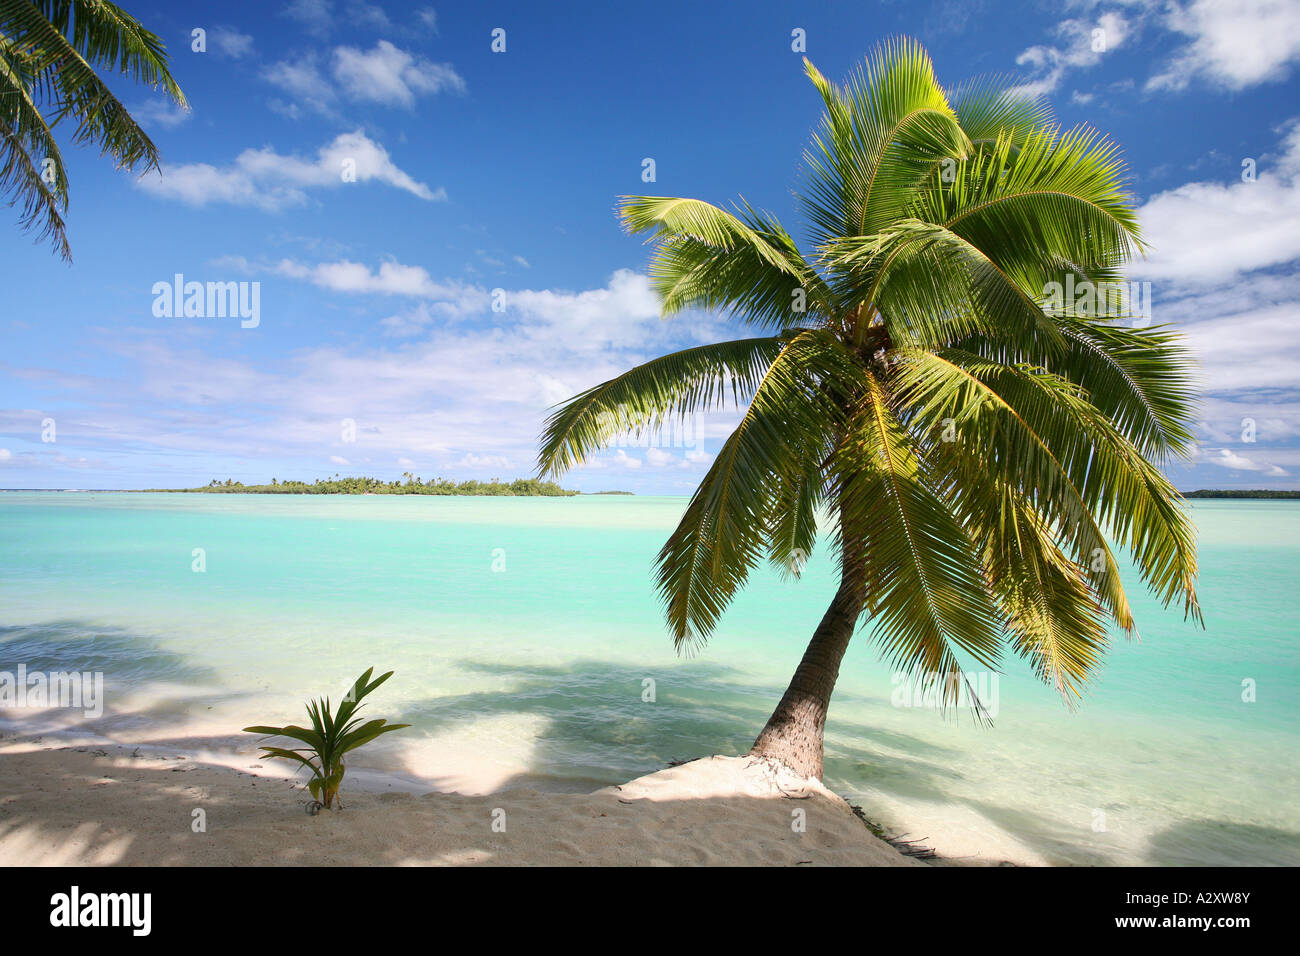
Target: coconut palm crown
[{"x": 982, "y": 444}]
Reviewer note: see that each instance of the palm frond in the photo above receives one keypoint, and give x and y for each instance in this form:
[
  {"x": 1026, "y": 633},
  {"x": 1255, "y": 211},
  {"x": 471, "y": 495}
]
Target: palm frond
[
  {"x": 724, "y": 530},
  {"x": 649, "y": 395},
  {"x": 745, "y": 263},
  {"x": 925, "y": 586}
]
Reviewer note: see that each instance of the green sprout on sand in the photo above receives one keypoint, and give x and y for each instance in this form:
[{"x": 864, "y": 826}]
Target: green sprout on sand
[{"x": 332, "y": 735}]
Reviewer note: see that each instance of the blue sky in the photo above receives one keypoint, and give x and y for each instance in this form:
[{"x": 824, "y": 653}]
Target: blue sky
[{"x": 377, "y": 350}]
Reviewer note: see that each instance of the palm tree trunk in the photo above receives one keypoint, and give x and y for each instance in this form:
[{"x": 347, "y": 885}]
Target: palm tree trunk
[{"x": 793, "y": 734}]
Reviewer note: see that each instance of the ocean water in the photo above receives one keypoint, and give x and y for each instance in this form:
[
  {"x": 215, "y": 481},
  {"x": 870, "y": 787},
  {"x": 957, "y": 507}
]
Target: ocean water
[{"x": 529, "y": 649}]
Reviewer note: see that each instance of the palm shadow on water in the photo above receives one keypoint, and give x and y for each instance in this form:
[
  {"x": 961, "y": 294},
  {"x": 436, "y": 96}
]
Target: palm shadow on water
[
  {"x": 600, "y": 725},
  {"x": 118, "y": 653},
  {"x": 127, "y": 659},
  {"x": 598, "y": 730},
  {"x": 1223, "y": 843}
]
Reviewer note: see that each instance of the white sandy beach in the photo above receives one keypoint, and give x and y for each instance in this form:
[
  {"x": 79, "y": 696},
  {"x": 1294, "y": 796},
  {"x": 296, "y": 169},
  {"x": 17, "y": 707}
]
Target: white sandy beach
[{"x": 113, "y": 805}]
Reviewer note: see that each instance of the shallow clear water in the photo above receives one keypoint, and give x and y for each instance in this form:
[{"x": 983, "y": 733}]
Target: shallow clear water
[{"x": 523, "y": 632}]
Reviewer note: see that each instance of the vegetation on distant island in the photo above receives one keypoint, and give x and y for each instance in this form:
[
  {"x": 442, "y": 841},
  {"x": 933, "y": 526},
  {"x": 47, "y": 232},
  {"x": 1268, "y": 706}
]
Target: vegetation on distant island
[
  {"x": 1240, "y": 493},
  {"x": 331, "y": 736},
  {"x": 414, "y": 485},
  {"x": 915, "y": 371}
]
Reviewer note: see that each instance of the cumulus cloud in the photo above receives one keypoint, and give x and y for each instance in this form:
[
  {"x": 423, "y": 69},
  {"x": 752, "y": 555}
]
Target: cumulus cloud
[
  {"x": 389, "y": 75},
  {"x": 1224, "y": 269},
  {"x": 1210, "y": 232},
  {"x": 227, "y": 41},
  {"x": 624, "y": 311},
  {"x": 1082, "y": 44},
  {"x": 302, "y": 80},
  {"x": 268, "y": 180},
  {"x": 1232, "y": 43},
  {"x": 384, "y": 74}
]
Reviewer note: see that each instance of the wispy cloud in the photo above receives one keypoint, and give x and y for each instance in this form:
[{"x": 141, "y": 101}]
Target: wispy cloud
[
  {"x": 160, "y": 113},
  {"x": 469, "y": 394},
  {"x": 1081, "y": 44},
  {"x": 229, "y": 42},
  {"x": 268, "y": 180}
]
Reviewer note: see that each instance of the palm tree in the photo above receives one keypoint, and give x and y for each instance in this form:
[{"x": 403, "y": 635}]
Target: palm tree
[
  {"x": 49, "y": 52},
  {"x": 975, "y": 444}
]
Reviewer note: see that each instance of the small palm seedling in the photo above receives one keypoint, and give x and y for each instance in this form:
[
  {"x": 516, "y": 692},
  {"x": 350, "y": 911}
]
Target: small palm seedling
[{"x": 332, "y": 735}]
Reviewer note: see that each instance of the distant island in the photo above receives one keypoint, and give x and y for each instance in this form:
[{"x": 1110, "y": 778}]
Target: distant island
[
  {"x": 414, "y": 485},
  {"x": 1236, "y": 493}
]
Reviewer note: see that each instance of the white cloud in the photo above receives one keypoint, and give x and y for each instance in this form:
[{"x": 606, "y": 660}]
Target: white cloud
[
  {"x": 385, "y": 74},
  {"x": 302, "y": 80},
  {"x": 371, "y": 15},
  {"x": 316, "y": 16},
  {"x": 1083, "y": 44},
  {"x": 1224, "y": 266},
  {"x": 5, "y": 454},
  {"x": 339, "y": 460},
  {"x": 392, "y": 76},
  {"x": 160, "y": 113},
  {"x": 627, "y": 298},
  {"x": 1210, "y": 232},
  {"x": 1247, "y": 350},
  {"x": 469, "y": 393},
  {"x": 226, "y": 41},
  {"x": 622, "y": 313},
  {"x": 390, "y": 278},
  {"x": 483, "y": 461},
  {"x": 553, "y": 390},
  {"x": 265, "y": 179},
  {"x": 1234, "y": 43},
  {"x": 1230, "y": 459}
]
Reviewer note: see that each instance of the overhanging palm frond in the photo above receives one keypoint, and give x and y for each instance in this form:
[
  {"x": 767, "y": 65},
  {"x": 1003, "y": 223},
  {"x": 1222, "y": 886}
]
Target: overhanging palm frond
[
  {"x": 926, "y": 590},
  {"x": 1053, "y": 614},
  {"x": 709, "y": 258},
  {"x": 1139, "y": 378},
  {"x": 1122, "y": 492},
  {"x": 648, "y": 395},
  {"x": 113, "y": 40},
  {"x": 49, "y": 53},
  {"x": 939, "y": 387},
  {"x": 932, "y": 287},
  {"x": 724, "y": 530}
]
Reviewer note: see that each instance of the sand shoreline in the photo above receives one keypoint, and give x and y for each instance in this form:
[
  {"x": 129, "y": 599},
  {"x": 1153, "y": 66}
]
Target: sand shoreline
[{"x": 106, "y": 805}]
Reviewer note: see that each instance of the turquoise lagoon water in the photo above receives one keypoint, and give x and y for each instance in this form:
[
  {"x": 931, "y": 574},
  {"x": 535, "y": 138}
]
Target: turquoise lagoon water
[{"x": 525, "y": 632}]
